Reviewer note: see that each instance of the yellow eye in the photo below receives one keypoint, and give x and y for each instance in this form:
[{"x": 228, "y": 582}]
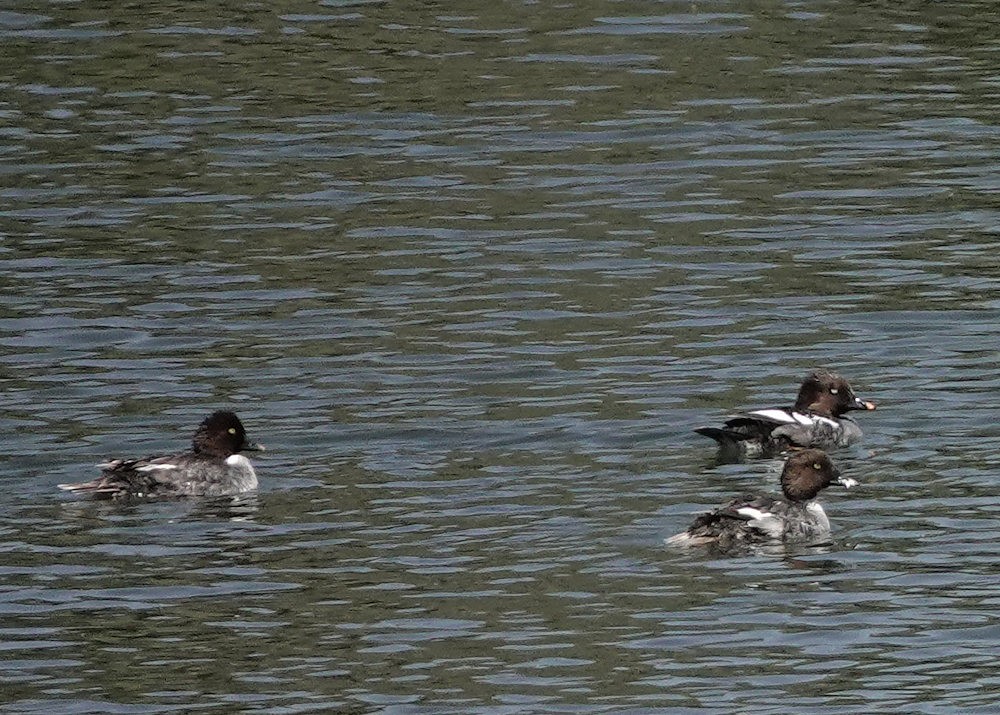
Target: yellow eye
[
  {"x": 816, "y": 465},
  {"x": 232, "y": 430},
  {"x": 833, "y": 390}
]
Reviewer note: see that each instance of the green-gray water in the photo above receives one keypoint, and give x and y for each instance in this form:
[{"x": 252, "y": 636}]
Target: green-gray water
[{"x": 473, "y": 273}]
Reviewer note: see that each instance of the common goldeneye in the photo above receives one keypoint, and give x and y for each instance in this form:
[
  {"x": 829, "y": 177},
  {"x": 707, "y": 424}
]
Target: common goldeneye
[
  {"x": 212, "y": 468},
  {"x": 816, "y": 420},
  {"x": 754, "y": 519}
]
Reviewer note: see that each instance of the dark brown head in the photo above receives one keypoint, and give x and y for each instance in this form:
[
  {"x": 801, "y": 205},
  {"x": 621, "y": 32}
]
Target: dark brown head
[
  {"x": 807, "y": 473},
  {"x": 222, "y": 435},
  {"x": 827, "y": 394}
]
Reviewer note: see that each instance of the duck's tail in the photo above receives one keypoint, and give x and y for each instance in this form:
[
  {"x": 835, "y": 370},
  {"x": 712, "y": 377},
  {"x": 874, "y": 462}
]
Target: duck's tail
[
  {"x": 724, "y": 437},
  {"x": 686, "y": 538},
  {"x": 98, "y": 487}
]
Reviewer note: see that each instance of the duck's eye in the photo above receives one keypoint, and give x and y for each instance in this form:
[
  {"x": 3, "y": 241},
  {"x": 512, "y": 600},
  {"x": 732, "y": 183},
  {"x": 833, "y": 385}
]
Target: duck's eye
[
  {"x": 816, "y": 465},
  {"x": 232, "y": 430},
  {"x": 833, "y": 390}
]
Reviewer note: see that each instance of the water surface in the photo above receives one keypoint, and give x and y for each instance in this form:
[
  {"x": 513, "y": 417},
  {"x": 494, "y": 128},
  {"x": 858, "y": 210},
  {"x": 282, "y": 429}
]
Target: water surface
[{"x": 473, "y": 274}]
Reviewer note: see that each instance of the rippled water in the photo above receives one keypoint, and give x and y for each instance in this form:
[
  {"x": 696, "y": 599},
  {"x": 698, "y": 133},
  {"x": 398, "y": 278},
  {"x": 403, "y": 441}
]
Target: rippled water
[{"x": 473, "y": 274}]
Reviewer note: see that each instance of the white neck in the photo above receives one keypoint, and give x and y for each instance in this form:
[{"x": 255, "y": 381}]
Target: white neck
[{"x": 815, "y": 509}]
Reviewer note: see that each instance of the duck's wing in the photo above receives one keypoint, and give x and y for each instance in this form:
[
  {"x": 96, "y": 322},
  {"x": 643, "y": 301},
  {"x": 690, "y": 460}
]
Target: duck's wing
[
  {"x": 809, "y": 430},
  {"x": 756, "y": 425},
  {"x": 132, "y": 477},
  {"x": 748, "y": 517},
  {"x": 762, "y": 516}
]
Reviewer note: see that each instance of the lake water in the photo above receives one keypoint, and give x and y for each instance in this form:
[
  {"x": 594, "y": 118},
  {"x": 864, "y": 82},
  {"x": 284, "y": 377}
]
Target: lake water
[{"x": 473, "y": 273}]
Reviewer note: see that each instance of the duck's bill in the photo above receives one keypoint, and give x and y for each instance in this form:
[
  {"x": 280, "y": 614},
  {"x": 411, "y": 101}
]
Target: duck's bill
[
  {"x": 253, "y": 447},
  {"x": 860, "y": 404},
  {"x": 847, "y": 482}
]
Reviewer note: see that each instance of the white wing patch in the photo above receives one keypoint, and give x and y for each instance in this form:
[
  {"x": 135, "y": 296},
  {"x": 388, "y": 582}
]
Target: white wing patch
[
  {"x": 765, "y": 521},
  {"x": 155, "y": 467},
  {"x": 238, "y": 460},
  {"x": 776, "y": 415},
  {"x": 794, "y": 418},
  {"x": 750, "y": 512}
]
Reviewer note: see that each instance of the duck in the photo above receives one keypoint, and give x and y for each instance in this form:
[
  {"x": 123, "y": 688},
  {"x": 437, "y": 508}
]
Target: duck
[
  {"x": 817, "y": 419},
  {"x": 212, "y": 467},
  {"x": 752, "y": 519}
]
